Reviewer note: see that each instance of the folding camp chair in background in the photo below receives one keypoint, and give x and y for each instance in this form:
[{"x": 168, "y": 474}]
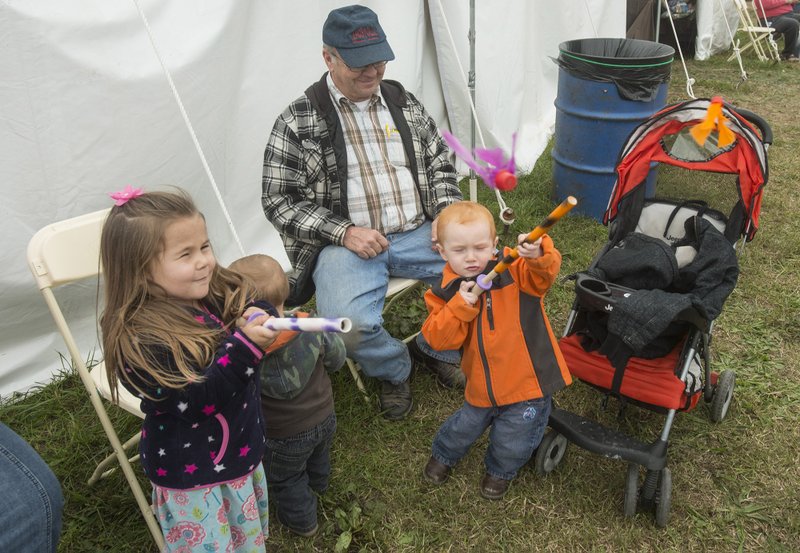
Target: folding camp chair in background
[
  {"x": 759, "y": 37},
  {"x": 66, "y": 252}
]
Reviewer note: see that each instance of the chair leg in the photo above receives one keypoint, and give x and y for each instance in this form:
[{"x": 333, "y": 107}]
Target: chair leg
[
  {"x": 357, "y": 378},
  {"x": 101, "y": 471},
  {"x": 122, "y": 458}
]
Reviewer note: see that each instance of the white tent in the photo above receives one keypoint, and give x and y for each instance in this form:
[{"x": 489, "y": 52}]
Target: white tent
[{"x": 86, "y": 109}]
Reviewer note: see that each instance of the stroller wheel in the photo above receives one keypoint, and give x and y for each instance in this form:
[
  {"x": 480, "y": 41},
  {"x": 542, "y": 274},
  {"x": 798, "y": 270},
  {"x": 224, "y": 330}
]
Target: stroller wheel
[
  {"x": 550, "y": 452},
  {"x": 663, "y": 498},
  {"x": 723, "y": 394},
  {"x": 630, "y": 499}
]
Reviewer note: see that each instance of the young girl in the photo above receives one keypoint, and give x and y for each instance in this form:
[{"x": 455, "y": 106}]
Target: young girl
[{"x": 177, "y": 332}]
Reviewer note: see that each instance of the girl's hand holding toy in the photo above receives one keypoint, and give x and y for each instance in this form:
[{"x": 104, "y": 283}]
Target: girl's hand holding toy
[{"x": 255, "y": 329}]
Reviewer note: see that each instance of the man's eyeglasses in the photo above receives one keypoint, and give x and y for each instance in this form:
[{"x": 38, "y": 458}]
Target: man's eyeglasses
[{"x": 378, "y": 65}]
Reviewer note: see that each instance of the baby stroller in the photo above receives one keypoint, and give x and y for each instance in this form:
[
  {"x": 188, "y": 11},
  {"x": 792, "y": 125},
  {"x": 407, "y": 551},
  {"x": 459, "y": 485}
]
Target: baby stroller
[{"x": 641, "y": 322}]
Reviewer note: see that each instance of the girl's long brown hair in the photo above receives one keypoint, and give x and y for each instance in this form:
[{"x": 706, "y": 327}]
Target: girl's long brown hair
[{"x": 139, "y": 321}]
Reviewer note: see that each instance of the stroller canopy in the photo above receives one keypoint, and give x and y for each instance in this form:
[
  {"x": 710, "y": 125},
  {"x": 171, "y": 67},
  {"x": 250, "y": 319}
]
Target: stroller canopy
[{"x": 745, "y": 157}]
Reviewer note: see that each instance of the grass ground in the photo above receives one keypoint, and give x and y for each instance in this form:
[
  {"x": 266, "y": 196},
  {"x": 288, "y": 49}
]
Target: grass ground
[{"x": 734, "y": 483}]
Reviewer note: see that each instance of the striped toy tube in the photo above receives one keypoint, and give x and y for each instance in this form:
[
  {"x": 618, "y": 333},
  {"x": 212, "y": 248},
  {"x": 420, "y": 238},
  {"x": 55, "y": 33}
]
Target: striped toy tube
[{"x": 310, "y": 324}]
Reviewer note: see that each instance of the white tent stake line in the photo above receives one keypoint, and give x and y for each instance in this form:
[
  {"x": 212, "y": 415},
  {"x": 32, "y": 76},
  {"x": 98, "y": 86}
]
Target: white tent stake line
[
  {"x": 689, "y": 80},
  {"x": 500, "y": 201},
  {"x": 734, "y": 43},
  {"x": 190, "y": 128}
]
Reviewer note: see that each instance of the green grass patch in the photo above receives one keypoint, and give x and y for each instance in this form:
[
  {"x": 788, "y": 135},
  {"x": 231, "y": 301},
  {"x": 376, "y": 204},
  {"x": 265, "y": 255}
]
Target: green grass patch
[{"x": 734, "y": 483}]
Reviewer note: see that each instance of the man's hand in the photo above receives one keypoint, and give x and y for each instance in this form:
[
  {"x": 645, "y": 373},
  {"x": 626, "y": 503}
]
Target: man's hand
[{"x": 364, "y": 242}]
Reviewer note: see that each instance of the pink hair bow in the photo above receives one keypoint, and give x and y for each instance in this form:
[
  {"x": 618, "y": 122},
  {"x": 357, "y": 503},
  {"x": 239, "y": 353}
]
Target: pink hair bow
[
  {"x": 129, "y": 193},
  {"x": 498, "y": 172}
]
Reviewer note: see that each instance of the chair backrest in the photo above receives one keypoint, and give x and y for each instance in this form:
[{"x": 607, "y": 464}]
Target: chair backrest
[{"x": 66, "y": 252}]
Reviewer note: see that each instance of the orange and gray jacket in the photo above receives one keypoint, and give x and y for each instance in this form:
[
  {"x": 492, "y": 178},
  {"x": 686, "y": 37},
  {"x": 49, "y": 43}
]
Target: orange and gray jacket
[{"x": 508, "y": 350}]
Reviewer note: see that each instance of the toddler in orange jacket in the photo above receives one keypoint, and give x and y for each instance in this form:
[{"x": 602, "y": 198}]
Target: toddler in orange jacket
[{"x": 510, "y": 355}]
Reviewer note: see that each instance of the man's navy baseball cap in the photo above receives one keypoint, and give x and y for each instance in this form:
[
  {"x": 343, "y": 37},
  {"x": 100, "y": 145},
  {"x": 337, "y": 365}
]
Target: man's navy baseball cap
[{"x": 357, "y": 36}]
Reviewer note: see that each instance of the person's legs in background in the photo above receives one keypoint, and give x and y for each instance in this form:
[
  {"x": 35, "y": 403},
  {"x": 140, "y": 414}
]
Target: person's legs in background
[
  {"x": 30, "y": 519},
  {"x": 789, "y": 27}
]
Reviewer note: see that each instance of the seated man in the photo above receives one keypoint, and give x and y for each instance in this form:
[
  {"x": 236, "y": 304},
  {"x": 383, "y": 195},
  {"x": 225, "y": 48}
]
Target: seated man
[{"x": 355, "y": 174}]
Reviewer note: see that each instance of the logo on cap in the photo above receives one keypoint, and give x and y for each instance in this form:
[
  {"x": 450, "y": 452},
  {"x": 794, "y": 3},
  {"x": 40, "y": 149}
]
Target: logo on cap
[{"x": 364, "y": 34}]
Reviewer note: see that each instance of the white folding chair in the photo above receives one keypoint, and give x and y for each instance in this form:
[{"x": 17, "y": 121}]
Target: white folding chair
[
  {"x": 760, "y": 38},
  {"x": 398, "y": 288},
  {"x": 66, "y": 252}
]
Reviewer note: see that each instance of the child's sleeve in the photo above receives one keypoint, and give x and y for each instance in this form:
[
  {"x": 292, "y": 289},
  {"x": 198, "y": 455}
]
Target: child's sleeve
[
  {"x": 448, "y": 321},
  {"x": 234, "y": 365},
  {"x": 334, "y": 352},
  {"x": 536, "y": 276}
]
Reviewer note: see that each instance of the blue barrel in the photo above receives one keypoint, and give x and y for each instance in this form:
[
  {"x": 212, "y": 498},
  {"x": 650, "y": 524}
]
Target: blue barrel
[{"x": 606, "y": 88}]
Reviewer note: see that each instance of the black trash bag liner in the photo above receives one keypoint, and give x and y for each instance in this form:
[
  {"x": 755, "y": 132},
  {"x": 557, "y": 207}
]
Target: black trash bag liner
[{"x": 636, "y": 67}]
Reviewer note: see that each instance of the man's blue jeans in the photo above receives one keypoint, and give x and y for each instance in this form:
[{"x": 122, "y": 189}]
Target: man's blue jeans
[
  {"x": 296, "y": 468},
  {"x": 30, "y": 519},
  {"x": 348, "y": 286},
  {"x": 516, "y": 432}
]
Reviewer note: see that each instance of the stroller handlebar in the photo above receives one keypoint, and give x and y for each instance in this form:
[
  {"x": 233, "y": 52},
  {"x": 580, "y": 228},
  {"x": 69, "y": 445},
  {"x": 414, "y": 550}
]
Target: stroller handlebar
[{"x": 758, "y": 121}]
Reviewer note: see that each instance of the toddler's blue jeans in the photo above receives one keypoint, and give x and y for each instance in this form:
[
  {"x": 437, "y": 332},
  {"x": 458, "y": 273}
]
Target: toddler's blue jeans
[
  {"x": 516, "y": 431},
  {"x": 297, "y": 467}
]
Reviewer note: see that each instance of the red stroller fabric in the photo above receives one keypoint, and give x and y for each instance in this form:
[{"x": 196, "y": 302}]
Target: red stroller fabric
[{"x": 649, "y": 381}]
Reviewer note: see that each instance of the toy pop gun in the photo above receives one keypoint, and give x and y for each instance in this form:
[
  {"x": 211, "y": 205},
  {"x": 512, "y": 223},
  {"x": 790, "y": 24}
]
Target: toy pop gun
[
  {"x": 310, "y": 324},
  {"x": 306, "y": 324},
  {"x": 484, "y": 282}
]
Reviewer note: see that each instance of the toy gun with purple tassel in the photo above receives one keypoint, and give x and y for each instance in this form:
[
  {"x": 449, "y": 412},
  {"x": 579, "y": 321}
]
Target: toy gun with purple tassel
[{"x": 500, "y": 173}]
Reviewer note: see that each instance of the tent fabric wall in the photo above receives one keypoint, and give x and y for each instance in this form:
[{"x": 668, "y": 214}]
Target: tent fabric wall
[
  {"x": 86, "y": 110},
  {"x": 713, "y": 35}
]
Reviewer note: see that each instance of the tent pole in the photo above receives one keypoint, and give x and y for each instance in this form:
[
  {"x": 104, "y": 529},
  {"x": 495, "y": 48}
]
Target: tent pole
[
  {"x": 473, "y": 182},
  {"x": 658, "y": 20}
]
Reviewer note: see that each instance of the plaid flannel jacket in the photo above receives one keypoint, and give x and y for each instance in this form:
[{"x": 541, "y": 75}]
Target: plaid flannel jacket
[{"x": 304, "y": 181}]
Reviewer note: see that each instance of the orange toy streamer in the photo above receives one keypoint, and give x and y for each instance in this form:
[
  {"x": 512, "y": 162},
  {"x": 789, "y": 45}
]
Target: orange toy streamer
[{"x": 714, "y": 121}]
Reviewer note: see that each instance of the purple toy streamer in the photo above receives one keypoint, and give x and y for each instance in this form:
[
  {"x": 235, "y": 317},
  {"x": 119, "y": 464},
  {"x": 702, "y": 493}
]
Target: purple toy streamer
[{"x": 494, "y": 158}]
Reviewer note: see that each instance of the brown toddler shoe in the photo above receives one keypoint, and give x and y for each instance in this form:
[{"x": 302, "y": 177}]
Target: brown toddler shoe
[
  {"x": 436, "y": 472},
  {"x": 493, "y": 488}
]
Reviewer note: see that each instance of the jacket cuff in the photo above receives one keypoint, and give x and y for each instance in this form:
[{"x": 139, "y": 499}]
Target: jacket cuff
[{"x": 461, "y": 309}]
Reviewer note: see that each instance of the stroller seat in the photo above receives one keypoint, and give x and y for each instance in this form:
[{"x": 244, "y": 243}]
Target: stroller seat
[{"x": 648, "y": 382}]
